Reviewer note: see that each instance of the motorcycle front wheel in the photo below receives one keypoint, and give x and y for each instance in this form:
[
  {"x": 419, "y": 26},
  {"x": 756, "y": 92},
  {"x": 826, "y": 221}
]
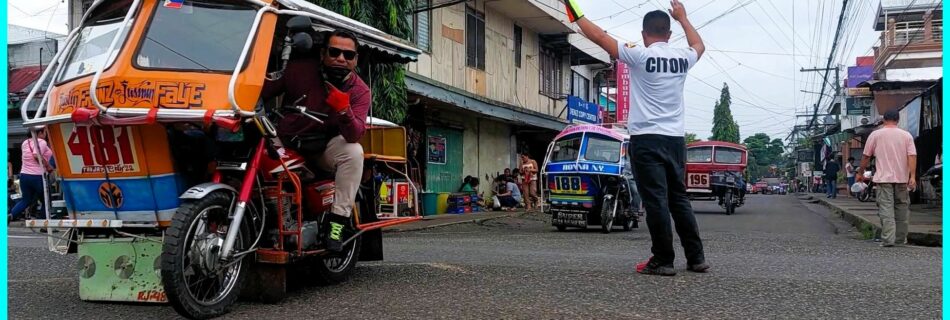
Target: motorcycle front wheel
[
  {"x": 865, "y": 195},
  {"x": 197, "y": 283}
]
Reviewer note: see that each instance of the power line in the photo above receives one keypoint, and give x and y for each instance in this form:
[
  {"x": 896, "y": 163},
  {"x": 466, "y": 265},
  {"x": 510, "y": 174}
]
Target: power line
[
  {"x": 749, "y": 104},
  {"x": 728, "y": 11},
  {"x": 763, "y": 29},
  {"x": 780, "y": 15},
  {"x": 625, "y": 10},
  {"x": 761, "y": 53},
  {"x": 716, "y": 64},
  {"x": 834, "y": 45}
]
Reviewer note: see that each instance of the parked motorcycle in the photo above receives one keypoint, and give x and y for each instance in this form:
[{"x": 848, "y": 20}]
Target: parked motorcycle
[{"x": 868, "y": 193}]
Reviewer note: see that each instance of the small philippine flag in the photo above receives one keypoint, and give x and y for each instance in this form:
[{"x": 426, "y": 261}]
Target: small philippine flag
[{"x": 174, "y": 4}]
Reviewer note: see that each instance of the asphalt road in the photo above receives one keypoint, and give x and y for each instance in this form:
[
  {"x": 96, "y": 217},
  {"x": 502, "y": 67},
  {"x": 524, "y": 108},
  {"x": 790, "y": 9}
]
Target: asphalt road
[{"x": 775, "y": 258}]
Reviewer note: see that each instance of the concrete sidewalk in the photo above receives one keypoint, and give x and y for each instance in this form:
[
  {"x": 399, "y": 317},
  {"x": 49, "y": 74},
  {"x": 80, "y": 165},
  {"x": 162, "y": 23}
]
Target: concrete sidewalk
[
  {"x": 925, "y": 227},
  {"x": 449, "y": 219}
]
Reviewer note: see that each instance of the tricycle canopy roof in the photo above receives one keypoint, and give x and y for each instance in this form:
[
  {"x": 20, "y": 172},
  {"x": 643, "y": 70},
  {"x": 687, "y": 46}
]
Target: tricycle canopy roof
[
  {"x": 369, "y": 36},
  {"x": 619, "y": 134}
]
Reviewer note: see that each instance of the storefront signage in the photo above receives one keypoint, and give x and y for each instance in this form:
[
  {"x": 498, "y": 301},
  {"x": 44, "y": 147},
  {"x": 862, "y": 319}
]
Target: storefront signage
[
  {"x": 856, "y": 75},
  {"x": 858, "y": 92},
  {"x": 623, "y": 92},
  {"x": 858, "y": 106},
  {"x": 580, "y": 111}
]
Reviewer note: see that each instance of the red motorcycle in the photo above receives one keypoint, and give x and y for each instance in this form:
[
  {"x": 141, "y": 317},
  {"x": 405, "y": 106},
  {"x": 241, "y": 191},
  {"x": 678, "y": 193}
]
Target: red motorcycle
[{"x": 263, "y": 211}]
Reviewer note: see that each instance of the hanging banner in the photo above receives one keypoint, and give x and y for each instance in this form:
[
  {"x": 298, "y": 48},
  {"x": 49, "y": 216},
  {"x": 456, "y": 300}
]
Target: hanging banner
[
  {"x": 910, "y": 118},
  {"x": 580, "y": 111},
  {"x": 623, "y": 92}
]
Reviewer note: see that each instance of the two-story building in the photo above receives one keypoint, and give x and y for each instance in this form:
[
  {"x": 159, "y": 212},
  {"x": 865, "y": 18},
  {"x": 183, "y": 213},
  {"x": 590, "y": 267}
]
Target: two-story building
[
  {"x": 909, "y": 55},
  {"x": 906, "y": 75},
  {"x": 494, "y": 81}
]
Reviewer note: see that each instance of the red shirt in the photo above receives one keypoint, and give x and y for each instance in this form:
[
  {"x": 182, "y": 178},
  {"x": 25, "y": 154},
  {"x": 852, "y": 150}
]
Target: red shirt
[{"x": 304, "y": 77}]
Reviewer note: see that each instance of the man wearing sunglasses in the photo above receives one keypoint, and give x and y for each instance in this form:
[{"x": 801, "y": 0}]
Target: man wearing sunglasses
[{"x": 326, "y": 83}]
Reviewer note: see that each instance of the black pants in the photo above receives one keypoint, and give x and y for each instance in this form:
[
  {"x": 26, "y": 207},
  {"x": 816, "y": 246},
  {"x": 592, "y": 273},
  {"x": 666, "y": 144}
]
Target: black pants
[{"x": 659, "y": 162}]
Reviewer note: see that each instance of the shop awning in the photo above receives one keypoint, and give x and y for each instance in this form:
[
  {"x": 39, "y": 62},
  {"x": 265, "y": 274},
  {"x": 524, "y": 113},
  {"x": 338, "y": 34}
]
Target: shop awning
[{"x": 439, "y": 92}]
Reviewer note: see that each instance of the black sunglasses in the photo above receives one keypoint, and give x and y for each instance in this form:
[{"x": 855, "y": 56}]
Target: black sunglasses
[{"x": 335, "y": 52}]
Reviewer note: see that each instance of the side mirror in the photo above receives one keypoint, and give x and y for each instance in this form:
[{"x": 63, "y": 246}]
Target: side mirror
[
  {"x": 299, "y": 24},
  {"x": 302, "y": 41}
]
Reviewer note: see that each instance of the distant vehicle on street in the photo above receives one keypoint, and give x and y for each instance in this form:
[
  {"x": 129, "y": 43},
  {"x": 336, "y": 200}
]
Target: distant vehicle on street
[
  {"x": 761, "y": 187},
  {"x": 714, "y": 172}
]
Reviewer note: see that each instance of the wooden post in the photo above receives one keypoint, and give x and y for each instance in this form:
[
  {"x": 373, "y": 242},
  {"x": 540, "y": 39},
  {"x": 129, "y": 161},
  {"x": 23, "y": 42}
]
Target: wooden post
[{"x": 891, "y": 30}]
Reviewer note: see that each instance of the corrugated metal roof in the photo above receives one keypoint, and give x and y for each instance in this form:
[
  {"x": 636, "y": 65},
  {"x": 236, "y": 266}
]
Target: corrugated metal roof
[{"x": 21, "y": 78}]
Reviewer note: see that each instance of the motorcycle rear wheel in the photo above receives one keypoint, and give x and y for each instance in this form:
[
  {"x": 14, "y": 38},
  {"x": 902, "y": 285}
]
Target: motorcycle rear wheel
[
  {"x": 607, "y": 214},
  {"x": 335, "y": 268},
  {"x": 728, "y": 203}
]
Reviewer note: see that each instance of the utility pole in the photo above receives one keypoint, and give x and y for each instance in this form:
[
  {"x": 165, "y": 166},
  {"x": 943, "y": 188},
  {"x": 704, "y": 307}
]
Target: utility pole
[
  {"x": 837, "y": 76},
  {"x": 837, "y": 85}
]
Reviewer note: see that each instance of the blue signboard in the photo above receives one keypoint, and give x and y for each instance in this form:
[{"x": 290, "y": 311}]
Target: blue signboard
[
  {"x": 856, "y": 75},
  {"x": 580, "y": 111}
]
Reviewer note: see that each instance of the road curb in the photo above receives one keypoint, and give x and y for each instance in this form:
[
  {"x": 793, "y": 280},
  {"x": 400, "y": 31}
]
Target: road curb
[
  {"x": 865, "y": 226},
  {"x": 472, "y": 220}
]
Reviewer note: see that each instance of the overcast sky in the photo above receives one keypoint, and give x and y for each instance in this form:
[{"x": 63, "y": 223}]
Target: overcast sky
[
  {"x": 764, "y": 87},
  {"x": 47, "y": 15},
  {"x": 750, "y": 48}
]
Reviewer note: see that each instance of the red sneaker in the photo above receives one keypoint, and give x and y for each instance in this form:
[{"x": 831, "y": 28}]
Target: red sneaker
[{"x": 648, "y": 267}]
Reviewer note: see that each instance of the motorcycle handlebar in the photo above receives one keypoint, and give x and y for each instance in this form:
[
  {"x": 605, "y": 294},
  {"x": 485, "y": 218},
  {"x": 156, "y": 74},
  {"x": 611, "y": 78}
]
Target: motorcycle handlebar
[{"x": 313, "y": 115}]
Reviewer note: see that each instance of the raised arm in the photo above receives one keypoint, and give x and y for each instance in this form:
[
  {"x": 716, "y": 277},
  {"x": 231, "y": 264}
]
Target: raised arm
[
  {"x": 678, "y": 12},
  {"x": 591, "y": 30}
]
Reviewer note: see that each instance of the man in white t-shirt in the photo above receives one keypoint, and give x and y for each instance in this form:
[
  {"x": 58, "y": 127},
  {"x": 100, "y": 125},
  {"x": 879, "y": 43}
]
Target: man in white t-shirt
[{"x": 657, "y": 127}]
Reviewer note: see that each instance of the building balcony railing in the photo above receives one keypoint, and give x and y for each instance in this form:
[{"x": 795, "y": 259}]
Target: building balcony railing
[{"x": 907, "y": 37}]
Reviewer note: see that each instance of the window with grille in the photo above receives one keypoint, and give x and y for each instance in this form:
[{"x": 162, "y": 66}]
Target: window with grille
[
  {"x": 551, "y": 74},
  {"x": 474, "y": 39},
  {"x": 518, "y": 39},
  {"x": 421, "y": 25},
  {"x": 580, "y": 86}
]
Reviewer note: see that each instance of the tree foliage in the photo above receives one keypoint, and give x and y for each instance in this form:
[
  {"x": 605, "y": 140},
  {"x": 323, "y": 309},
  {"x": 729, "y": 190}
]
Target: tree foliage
[
  {"x": 691, "y": 137},
  {"x": 724, "y": 127},
  {"x": 387, "y": 81},
  {"x": 763, "y": 152}
]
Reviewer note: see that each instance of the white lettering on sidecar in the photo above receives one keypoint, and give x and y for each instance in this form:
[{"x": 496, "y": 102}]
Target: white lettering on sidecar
[{"x": 583, "y": 167}]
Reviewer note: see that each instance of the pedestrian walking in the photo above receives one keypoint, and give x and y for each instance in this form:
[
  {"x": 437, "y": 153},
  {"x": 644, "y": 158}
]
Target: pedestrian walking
[
  {"x": 831, "y": 178},
  {"x": 895, "y": 176},
  {"x": 657, "y": 127},
  {"x": 35, "y": 159},
  {"x": 529, "y": 169}
]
